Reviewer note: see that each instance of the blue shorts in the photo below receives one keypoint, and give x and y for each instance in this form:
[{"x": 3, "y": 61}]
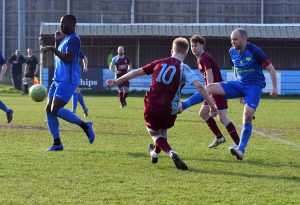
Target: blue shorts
[
  {"x": 62, "y": 90},
  {"x": 250, "y": 93}
]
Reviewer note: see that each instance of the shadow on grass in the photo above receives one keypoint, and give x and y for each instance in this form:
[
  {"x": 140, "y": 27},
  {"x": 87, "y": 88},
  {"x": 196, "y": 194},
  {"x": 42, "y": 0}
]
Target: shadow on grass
[
  {"x": 138, "y": 154},
  {"x": 116, "y": 134},
  {"x": 227, "y": 173},
  {"x": 64, "y": 128},
  {"x": 252, "y": 162},
  {"x": 247, "y": 175},
  {"x": 114, "y": 118},
  {"x": 22, "y": 127}
]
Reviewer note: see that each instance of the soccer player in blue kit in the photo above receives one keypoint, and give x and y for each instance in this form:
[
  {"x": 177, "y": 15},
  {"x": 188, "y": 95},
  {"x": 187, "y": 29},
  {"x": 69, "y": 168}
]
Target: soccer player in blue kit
[
  {"x": 66, "y": 80},
  {"x": 9, "y": 112},
  {"x": 247, "y": 60},
  {"x": 77, "y": 96}
]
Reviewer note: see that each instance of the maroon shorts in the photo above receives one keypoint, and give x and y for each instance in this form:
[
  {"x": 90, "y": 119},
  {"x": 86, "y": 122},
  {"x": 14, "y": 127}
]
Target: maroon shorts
[
  {"x": 156, "y": 121},
  {"x": 125, "y": 84},
  {"x": 220, "y": 101}
]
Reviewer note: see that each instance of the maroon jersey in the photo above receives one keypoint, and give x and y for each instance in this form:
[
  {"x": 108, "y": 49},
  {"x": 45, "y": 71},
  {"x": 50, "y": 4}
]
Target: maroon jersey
[
  {"x": 121, "y": 64},
  {"x": 168, "y": 75},
  {"x": 208, "y": 62}
]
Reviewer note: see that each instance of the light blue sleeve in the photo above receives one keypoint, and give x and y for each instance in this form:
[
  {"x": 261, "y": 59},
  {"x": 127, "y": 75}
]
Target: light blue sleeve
[
  {"x": 188, "y": 75},
  {"x": 114, "y": 60}
]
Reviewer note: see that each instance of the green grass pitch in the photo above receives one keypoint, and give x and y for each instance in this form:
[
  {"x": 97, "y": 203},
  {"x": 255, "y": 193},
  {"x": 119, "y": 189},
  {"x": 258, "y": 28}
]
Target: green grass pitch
[{"x": 116, "y": 169}]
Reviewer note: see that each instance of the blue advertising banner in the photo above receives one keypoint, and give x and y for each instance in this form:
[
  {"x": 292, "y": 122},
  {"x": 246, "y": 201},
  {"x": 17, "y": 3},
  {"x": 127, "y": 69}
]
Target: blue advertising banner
[
  {"x": 94, "y": 81},
  {"x": 287, "y": 81},
  {"x": 138, "y": 83},
  {"x": 91, "y": 81}
]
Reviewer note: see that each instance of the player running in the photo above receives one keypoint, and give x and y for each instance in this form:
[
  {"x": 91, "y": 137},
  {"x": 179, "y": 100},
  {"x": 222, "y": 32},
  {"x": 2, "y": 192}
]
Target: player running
[
  {"x": 66, "y": 80},
  {"x": 77, "y": 96},
  {"x": 210, "y": 72},
  {"x": 247, "y": 60},
  {"x": 160, "y": 104},
  {"x": 121, "y": 65}
]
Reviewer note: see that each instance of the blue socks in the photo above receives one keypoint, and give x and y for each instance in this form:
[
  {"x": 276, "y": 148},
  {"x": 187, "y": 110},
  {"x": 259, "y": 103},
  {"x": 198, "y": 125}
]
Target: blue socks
[
  {"x": 3, "y": 107},
  {"x": 68, "y": 116},
  {"x": 53, "y": 125},
  {"x": 81, "y": 101},
  {"x": 74, "y": 101},
  {"x": 193, "y": 100},
  {"x": 245, "y": 136},
  {"x": 77, "y": 97}
]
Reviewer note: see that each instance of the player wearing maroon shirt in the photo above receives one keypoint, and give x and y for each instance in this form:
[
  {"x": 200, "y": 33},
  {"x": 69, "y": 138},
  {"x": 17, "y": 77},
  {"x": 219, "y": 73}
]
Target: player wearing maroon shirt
[
  {"x": 161, "y": 101},
  {"x": 121, "y": 64},
  {"x": 210, "y": 71}
]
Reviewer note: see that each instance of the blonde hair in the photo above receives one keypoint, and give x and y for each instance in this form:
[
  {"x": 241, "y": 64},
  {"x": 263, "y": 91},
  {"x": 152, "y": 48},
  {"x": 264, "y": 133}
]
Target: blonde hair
[{"x": 180, "y": 45}]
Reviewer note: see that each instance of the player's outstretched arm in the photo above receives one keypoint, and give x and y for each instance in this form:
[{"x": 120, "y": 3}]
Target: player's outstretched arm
[
  {"x": 205, "y": 95},
  {"x": 273, "y": 76},
  {"x": 126, "y": 77}
]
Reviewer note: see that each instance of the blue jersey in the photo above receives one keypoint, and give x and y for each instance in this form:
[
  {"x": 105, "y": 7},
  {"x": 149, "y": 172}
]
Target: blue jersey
[
  {"x": 81, "y": 55},
  {"x": 68, "y": 71},
  {"x": 2, "y": 61},
  {"x": 248, "y": 65}
]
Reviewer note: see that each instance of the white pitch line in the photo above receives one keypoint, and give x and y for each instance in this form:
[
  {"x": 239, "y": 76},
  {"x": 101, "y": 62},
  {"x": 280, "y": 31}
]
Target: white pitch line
[
  {"x": 282, "y": 141},
  {"x": 263, "y": 134}
]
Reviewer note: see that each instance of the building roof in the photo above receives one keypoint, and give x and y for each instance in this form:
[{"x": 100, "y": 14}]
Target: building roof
[{"x": 279, "y": 31}]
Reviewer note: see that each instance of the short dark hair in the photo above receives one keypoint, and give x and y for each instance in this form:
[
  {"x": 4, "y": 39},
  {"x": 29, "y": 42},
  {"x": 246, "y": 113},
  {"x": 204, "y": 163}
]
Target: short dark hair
[
  {"x": 181, "y": 45},
  {"x": 197, "y": 39},
  {"x": 71, "y": 19}
]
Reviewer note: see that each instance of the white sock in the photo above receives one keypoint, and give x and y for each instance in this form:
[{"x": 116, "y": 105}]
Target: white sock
[
  {"x": 171, "y": 153},
  {"x": 154, "y": 154}
]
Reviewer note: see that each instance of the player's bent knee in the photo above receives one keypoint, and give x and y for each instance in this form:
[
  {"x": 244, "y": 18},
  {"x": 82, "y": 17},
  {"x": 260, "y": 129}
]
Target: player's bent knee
[
  {"x": 203, "y": 113},
  {"x": 215, "y": 88},
  {"x": 224, "y": 119},
  {"x": 55, "y": 109},
  {"x": 248, "y": 116},
  {"x": 210, "y": 88},
  {"x": 164, "y": 134},
  {"x": 155, "y": 137},
  {"x": 204, "y": 116},
  {"x": 225, "y": 122},
  {"x": 48, "y": 108}
]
